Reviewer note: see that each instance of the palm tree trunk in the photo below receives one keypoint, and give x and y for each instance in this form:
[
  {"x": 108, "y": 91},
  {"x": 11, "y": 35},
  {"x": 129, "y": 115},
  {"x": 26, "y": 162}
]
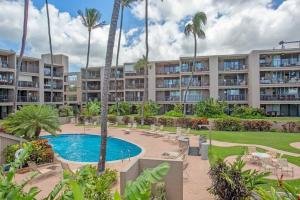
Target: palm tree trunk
[
  {"x": 50, "y": 45},
  {"x": 117, "y": 60},
  {"x": 191, "y": 77},
  {"x": 105, "y": 89},
  {"x": 145, "y": 96},
  {"x": 25, "y": 22},
  {"x": 87, "y": 64}
]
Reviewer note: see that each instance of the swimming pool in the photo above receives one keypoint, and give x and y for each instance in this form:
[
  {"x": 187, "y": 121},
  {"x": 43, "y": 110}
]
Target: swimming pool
[{"x": 86, "y": 147}]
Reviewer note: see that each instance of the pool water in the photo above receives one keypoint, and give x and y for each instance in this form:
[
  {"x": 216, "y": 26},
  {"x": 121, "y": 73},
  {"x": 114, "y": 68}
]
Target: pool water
[{"x": 86, "y": 148}]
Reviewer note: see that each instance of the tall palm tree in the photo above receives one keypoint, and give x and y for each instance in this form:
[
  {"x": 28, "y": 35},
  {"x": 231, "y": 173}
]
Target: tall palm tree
[
  {"x": 124, "y": 4},
  {"x": 51, "y": 50},
  {"x": 25, "y": 22},
  {"x": 194, "y": 28},
  {"x": 105, "y": 87},
  {"x": 91, "y": 19}
]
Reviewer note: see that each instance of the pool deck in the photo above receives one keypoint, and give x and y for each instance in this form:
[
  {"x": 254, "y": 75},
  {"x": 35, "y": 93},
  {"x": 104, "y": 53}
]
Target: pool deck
[{"x": 195, "y": 187}]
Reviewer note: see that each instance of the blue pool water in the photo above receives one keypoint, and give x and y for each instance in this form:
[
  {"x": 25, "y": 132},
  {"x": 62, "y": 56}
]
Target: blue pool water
[{"x": 86, "y": 148}]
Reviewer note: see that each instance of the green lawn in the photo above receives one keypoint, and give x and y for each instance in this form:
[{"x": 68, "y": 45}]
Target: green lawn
[{"x": 223, "y": 152}]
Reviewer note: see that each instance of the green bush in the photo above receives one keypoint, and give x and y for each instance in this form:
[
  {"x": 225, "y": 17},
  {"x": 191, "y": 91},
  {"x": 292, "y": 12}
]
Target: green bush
[
  {"x": 166, "y": 121},
  {"x": 124, "y": 109},
  {"x": 228, "y": 124},
  {"x": 112, "y": 118},
  {"x": 257, "y": 125},
  {"x": 247, "y": 112},
  {"x": 137, "y": 119},
  {"x": 150, "y": 120},
  {"x": 126, "y": 119},
  {"x": 176, "y": 112},
  {"x": 150, "y": 109},
  {"x": 41, "y": 151},
  {"x": 210, "y": 108},
  {"x": 65, "y": 111},
  {"x": 92, "y": 109}
]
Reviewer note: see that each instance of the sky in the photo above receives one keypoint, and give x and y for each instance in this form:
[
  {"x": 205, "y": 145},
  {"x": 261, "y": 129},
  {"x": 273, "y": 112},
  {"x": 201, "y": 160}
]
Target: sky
[{"x": 234, "y": 26}]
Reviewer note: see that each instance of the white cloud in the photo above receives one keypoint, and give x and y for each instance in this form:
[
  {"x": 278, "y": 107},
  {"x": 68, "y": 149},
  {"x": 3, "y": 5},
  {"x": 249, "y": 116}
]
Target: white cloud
[{"x": 240, "y": 27}]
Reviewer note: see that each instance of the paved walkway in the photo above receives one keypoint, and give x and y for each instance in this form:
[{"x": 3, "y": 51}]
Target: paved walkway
[
  {"x": 295, "y": 145},
  {"x": 229, "y": 144}
]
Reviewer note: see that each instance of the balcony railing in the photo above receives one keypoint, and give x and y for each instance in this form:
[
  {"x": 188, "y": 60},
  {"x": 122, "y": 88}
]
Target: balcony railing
[
  {"x": 91, "y": 76},
  {"x": 279, "y": 81},
  {"x": 28, "y": 99},
  {"x": 165, "y": 85},
  {"x": 136, "y": 73},
  {"x": 28, "y": 84},
  {"x": 232, "y": 82},
  {"x": 139, "y": 98},
  {"x": 198, "y": 69},
  {"x": 232, "y": 67},
  {"x": 6, "y": 98},
  {"x": 91, "y": 87},
  {"x": 195, "y": 84},
  {"x": 55, "y": 99},
  {"x": 168, "y": 98},
  {"x": 113, "y": 99},
  {"x": 119, "y": 87},
  {"x": 193, "y": 98},
  {"x": 90, "y": 98},
  {"x": 135, "y": 86},
  {"x": 72, "y": 98},
  {"x": 55, "y": 87},
  {"x": 30, "y": 70},
  {"x": 266, "y": 97},
  {"x": 55, "y": 74},
  {"x": 6, "y": 82},
  {"x": 280, "y": 63},
  {"x": 163, "y": 71},
  {"x": 240, "y": 97},
  {"x": 112, "y": 75}
]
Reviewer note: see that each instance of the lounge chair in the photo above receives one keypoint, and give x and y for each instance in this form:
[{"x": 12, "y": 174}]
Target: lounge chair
[
  {"x": 134, "y": 125},
  {"x": 45, "y": 171},
  {"x": 267, "y": 165},
  {"x": 153, "y": 130},
  {"x": 175, "y": 154}
]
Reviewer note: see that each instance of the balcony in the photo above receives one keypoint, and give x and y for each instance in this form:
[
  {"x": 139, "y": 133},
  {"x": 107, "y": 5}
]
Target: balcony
[
  {"x": 135, "y": 73},
  {"x": 199, "y": 68},
  {"x": 55, "y": 87},
  {"x": 137, "y": 98},
  {"x": 194, "y": 84},
  {"x": 6, "y": 82},
  {"x": 168, "y": 85},
  {"x": 90, "y": 98},
  {"x": 113, "y": 75},
  {"x": 279, "y": 81},
  {"x": 28, "y": 84},
  {"x": 111, "y": 98},
  {"x": 167, "y": 70},
  {"x": 168, "y": 98},
  {"x": 240, "y": 97},
  {"x": 265, "y": 97},
  {"x": 55, "y": 74},
  {"x": 91, "y": 76},
  {"x": 232, "y": 82},
  {"x": 119, "y": 87},
  {"x": 6, "y": 98},
  {"x": 25, "y": 69},
  {"x": 134, "y": 86},
  {"x": 279, "y": 61},
  {"x": 55, "y": 99},
  {"x": 72, "y": 98},
  {"x": 91, "y": 87},
  {"x": 28, "y": 99}
]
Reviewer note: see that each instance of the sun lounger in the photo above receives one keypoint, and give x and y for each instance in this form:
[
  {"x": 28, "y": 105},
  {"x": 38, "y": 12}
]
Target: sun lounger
[{"x": 45, "y": 171}]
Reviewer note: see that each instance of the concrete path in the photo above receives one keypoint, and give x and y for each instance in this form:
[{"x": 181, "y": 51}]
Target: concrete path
[
  {"x": 295, "y": 145},
  {"x": 229, "y": 144}
]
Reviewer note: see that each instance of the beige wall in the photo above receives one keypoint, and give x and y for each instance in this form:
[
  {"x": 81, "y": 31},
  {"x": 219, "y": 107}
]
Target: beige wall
[
  {"x": 214, "y": 77},
  {"x": 6, "y": 140},
  {"x": 152, "y": 83},
  {"x": 253, "y": 78},
  {"x": 173, "y": 180}
]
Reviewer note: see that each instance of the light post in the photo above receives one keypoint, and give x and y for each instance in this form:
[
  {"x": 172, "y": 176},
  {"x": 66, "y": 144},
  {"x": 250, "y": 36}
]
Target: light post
[{"x": 209, "y": 133}]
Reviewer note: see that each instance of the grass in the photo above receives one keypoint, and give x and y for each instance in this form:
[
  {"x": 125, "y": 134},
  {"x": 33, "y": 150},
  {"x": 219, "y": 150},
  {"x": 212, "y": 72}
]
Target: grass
[{"x": 216, "y": 153}]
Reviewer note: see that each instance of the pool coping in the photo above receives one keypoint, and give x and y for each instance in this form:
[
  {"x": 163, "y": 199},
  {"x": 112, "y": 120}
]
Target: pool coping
[{"x": 109, "y": 162}]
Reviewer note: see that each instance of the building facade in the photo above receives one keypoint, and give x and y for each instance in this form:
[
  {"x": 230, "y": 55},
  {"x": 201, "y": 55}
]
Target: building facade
[{"x": 268, "y": 79}]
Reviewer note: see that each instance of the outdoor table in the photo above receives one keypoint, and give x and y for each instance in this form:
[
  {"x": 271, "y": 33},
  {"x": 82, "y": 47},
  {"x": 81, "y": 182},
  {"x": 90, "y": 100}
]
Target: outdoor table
[{"x": 261, "y": 155}]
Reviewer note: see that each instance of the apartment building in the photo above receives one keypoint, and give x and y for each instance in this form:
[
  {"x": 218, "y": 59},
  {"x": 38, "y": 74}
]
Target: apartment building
[{"x": 269, "y": 79}]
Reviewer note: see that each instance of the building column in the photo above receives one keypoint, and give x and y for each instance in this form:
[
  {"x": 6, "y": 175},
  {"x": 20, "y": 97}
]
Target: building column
[
  {"x": 253, "y": 80},
  {"x": 214, "y": 77},
  {"x": 151, "y": 83}
]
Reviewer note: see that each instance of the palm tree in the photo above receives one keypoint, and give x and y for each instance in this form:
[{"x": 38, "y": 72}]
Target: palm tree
[
  {"x": 91, "y": 20},
  {"x": 51, "y": 51},
  {"x": 25, "y": 22},
  {"x": 125, "y": 3},
  {"x": 195, "y": 28},
  {"x": 30, "y": 120},
  {"x": 105, "y": 87}
]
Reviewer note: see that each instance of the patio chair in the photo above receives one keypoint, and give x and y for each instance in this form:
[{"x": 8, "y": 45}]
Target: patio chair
[
  {"x": 174, "y": 154},
  {"x": 283, "y": 165},
  {"x": 249, "y": 156},
  {"x": 160, "y": 132},
  {"x": 134, "y": 125},
  {"x": 266, "y": 164},
  {"x": 153, "y": 130},
  {"x": 43, "y": 172}
]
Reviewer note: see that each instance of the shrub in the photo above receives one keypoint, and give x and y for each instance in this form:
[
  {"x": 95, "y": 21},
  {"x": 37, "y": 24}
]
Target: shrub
[
  {"x": 137, "y": 119},
  {"x": 150, "y": 109},
  {"x": 112, "y": 118},
  {"x": 257, "y": 125},
  {"x": 247, "y": 112},
  {"x": 126, "y": 119},
  {"x": 162, "y": 121},
  {"x": 41, "y": 151},
  {"x": 176, "y": 112},
  {"x": 289, "y": 127},
  {"x": 228, "y": 124},
  {"x": 210, "y": 108},
  {"x": 232, "y": 182},
  {"x": 150, "y": 120},
  {"x": 195, "y": 122},
  {"x": 65, "y": 111},
  {"x": 124, "y": 109},
  {"x": 182, "y": 122},
  {"x": 167, "y": 121}
]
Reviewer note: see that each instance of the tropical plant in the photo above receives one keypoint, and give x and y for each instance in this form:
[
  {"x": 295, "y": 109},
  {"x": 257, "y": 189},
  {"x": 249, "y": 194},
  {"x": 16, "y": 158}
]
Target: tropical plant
[
  {"x": 124, "y": 109},
  {"x": 124, "y": 4},
  {"x": 65, "y": 111},
  {"x": 9, "y": 189},
  {"x": 210, "y": 108},
  {"x": 286, "y": 192},
  {"x": 247, "y": 112},
  {"x": 92, "y": 109},
  {"x": 30, "y": 120},
  {"x": 23, "y": 44},
  {"x": 50, "y": 46},
  {"x": 232, "y": 182},
  {"x": 150, "y": 109},
  {"x": 91, "y": 20},
  {"x": 105, "y": 89},
  {"x": 228, "y": 124},
  {"x": 194, "y": 27},
  {"x": 176, "y": 112},
  {"x": 141, "y": 187},
  {"x": 86, "y": 184}
]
